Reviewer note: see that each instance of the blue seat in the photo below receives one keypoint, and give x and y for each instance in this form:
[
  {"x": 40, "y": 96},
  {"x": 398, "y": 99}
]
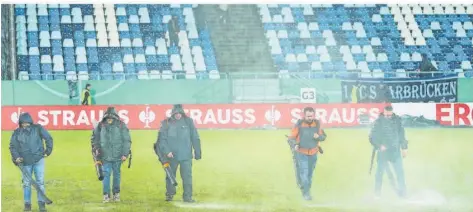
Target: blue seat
[
  {"x": 82, "y": 67},
  {"x": 93, "y": 67}
]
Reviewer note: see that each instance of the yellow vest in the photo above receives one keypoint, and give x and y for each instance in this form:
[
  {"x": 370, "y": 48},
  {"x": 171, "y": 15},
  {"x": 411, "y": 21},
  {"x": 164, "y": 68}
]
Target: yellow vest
[{"x": 89, "y": 99}]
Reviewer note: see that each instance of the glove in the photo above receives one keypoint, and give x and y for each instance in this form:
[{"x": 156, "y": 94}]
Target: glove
[
  {"x": 18, "y": 160},
  {"x": 197, "y": 156}
]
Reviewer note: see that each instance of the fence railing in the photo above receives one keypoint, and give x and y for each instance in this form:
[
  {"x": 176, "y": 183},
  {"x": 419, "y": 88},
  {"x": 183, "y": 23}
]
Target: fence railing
[{"x": 243, "y": 75}]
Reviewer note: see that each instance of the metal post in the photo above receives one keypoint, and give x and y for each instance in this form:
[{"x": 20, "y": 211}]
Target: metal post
[{"x": 13, "y": 42}]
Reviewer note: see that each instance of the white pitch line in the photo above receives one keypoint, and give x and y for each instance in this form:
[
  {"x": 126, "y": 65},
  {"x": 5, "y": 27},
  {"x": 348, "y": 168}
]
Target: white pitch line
[{"x": 215, "y": 206}]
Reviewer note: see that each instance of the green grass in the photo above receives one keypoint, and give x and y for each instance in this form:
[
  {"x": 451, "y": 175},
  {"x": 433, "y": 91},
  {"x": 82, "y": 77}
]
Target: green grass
[{"x": 255, "y": 168}]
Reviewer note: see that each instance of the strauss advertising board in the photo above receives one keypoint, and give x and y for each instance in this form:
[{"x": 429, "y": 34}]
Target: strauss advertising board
[
  {"x": 215, "y": 116},
  {"x": 235, "y": 116}
]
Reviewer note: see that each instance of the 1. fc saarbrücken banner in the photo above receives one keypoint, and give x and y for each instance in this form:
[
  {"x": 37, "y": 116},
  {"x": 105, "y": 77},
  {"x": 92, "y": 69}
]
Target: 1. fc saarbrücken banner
[{"x": 400, "y": 90}]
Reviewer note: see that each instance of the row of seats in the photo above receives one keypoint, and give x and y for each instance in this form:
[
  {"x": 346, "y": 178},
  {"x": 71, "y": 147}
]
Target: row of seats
[
  {"x": 340, "y": 38},
  {"x": 103, "y": 39}
]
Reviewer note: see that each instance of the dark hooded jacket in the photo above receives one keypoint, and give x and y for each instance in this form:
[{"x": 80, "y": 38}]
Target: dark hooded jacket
[
  {"x": 179, "y": 137},
  {"x": 27, "y": 143},
  {"x": 112, "y": 140},
  {"x": 388, "y": 132}
]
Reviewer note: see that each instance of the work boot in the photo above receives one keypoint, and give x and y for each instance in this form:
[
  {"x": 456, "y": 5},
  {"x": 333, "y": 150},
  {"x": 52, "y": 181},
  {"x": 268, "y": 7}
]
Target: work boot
[
  {"x": 169, "y": 198},
  {"x": 116, "y": 197},
  {"x": 189, "y": 200},
  {"x": 42, "y": 207},
  {"x": 106, "y": 198},
  {"x": 307, "y": 197},
  {"x": 27, "y": 207}
]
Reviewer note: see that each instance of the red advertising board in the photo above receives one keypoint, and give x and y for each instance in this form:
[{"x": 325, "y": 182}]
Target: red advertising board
[
  {"x": 454, "y": 114},
  {"x": 215, "y": 116}
]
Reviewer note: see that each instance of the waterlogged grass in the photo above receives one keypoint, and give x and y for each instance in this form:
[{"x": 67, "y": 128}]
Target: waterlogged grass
[{"x": 252, "y": 171}]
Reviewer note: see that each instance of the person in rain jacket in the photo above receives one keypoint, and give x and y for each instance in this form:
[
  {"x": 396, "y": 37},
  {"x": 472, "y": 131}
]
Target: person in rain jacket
[
  {"x": 28, "y": 151},
  {"x": 176, "y": 139},
  {"x": 111, "y": 142}
]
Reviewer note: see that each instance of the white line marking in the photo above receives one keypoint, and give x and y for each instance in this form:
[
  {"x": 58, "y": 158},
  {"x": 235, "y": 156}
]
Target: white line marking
[{"x": 215, "y": 206}]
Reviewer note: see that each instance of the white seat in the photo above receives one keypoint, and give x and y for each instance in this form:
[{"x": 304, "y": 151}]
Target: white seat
[
  {"x": 68, "y": 43},
  {"x": 428, "y": 33},
  {"x": 266, "y": 18},
  {"x": 83, "y": 75},
  {"x": 128, "y": 58},
  {"x": 420, "y": 41},
  {"x": 358, "y": 26},
  {"x": 406, "y": 10},
  {"x": 330, "y": 42},
  {"x": 288, "y": 18},
  {"x": 71, "y": 75},
  {"x": 401, "y": 73},
  {"x": 277, "y": 19},
  {"x": 302, "y": 26},
  {"x": 350, "y": 65},
  {"x": 469, "y": 9},
  {"x": 428, "y": 10},
  {"x": 120, "y": 11},
  {"x": 327, "y": 33},
  {"x": 313, "y": 26},
  {"x": 118, "y": 67},
  {"x": 125, "y": 42},
  {"x": 161, "y": 48},
  {"x": 137, "y": 42},
  {"x": 34, "y": 51},
  {"x": 112, "y": 28},
  {"x": 347, "y": 26},
  {"x": 384, "y": 11},
  {"x": 301, "y": 58},
  {"x": 316, "y": 66},
  {"x": 378, "y": 73},
  {"x": 325, "y": 57},
  {"x": 44, "y": 35},
  {"x": 376, "y": 18},
  {"x": 123, "y": 27},
  {"x": 363, "y": 65},
  {"x": 416, "y": 33},
  {"x": 466, "y": 65},
  {"x": 271, "y": 34},
  {"x": 150, "y": 50},
  {"x": 155, "y": 74},
  {"x": 322, "y": 50},
  {"x": 167, "y": 75},
  {"x": 58, "y": 59},
  {"x": 143, "y": 75},
  {"x": 461, "y": 33},
  {"x": 347, "y": 57},
  {"x": 64, "y": 6},
  {"x": 307, "y": 10},
  {"x": 367, "y": 49},
  {"x": 457, "y": 25},
  {"x": 417, "y": 10},
  {"x": 375, "y": 41},
  {"x": 409, "y": 41},
  {"x": 45, "y": 59},
  {"x": 80, "y": 51},
  {"x": 140, "y": 58},
  {"x": 114, "y": 42},
  {"x": 405, "y": 57},
  {"x": 89, "y": 19},
  {"x": 449, "y": 9},
  {"x": 434, "y": 25},
  {"x": 460, "y": 10},
  {"x": 58, "y": 67},
  {"x": 290, "y": 58},
  {"x": 416, "y": 57},
  {"x": 438, "y": 9},
  {"x": 133, "y": 19},
  {"x": 310, "y": 50},
  {"x": 282, "y": 34},
  {"x": 344, "y": 49},
  {"x": 468, "y": 25},
  {"x": 32, "y": 27},
  {"x": 370, "y": 57},
  {"x": 356, "y": 49},
  {"x": 81, "y": 59},
  {"x": 213, "y": 74}
]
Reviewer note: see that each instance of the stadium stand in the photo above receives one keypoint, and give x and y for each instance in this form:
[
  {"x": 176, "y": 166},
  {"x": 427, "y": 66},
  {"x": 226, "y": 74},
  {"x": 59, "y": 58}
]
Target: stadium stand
[
  {"x": 121, "y": 41},
  {"x": 368, "y": 38},
  {"x": 129, "y": 41}
]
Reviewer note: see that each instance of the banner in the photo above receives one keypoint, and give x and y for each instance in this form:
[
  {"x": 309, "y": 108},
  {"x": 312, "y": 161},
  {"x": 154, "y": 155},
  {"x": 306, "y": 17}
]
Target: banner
[
  {"x": 397, "y": 90},
  {"x": 209, "y": 116}
]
